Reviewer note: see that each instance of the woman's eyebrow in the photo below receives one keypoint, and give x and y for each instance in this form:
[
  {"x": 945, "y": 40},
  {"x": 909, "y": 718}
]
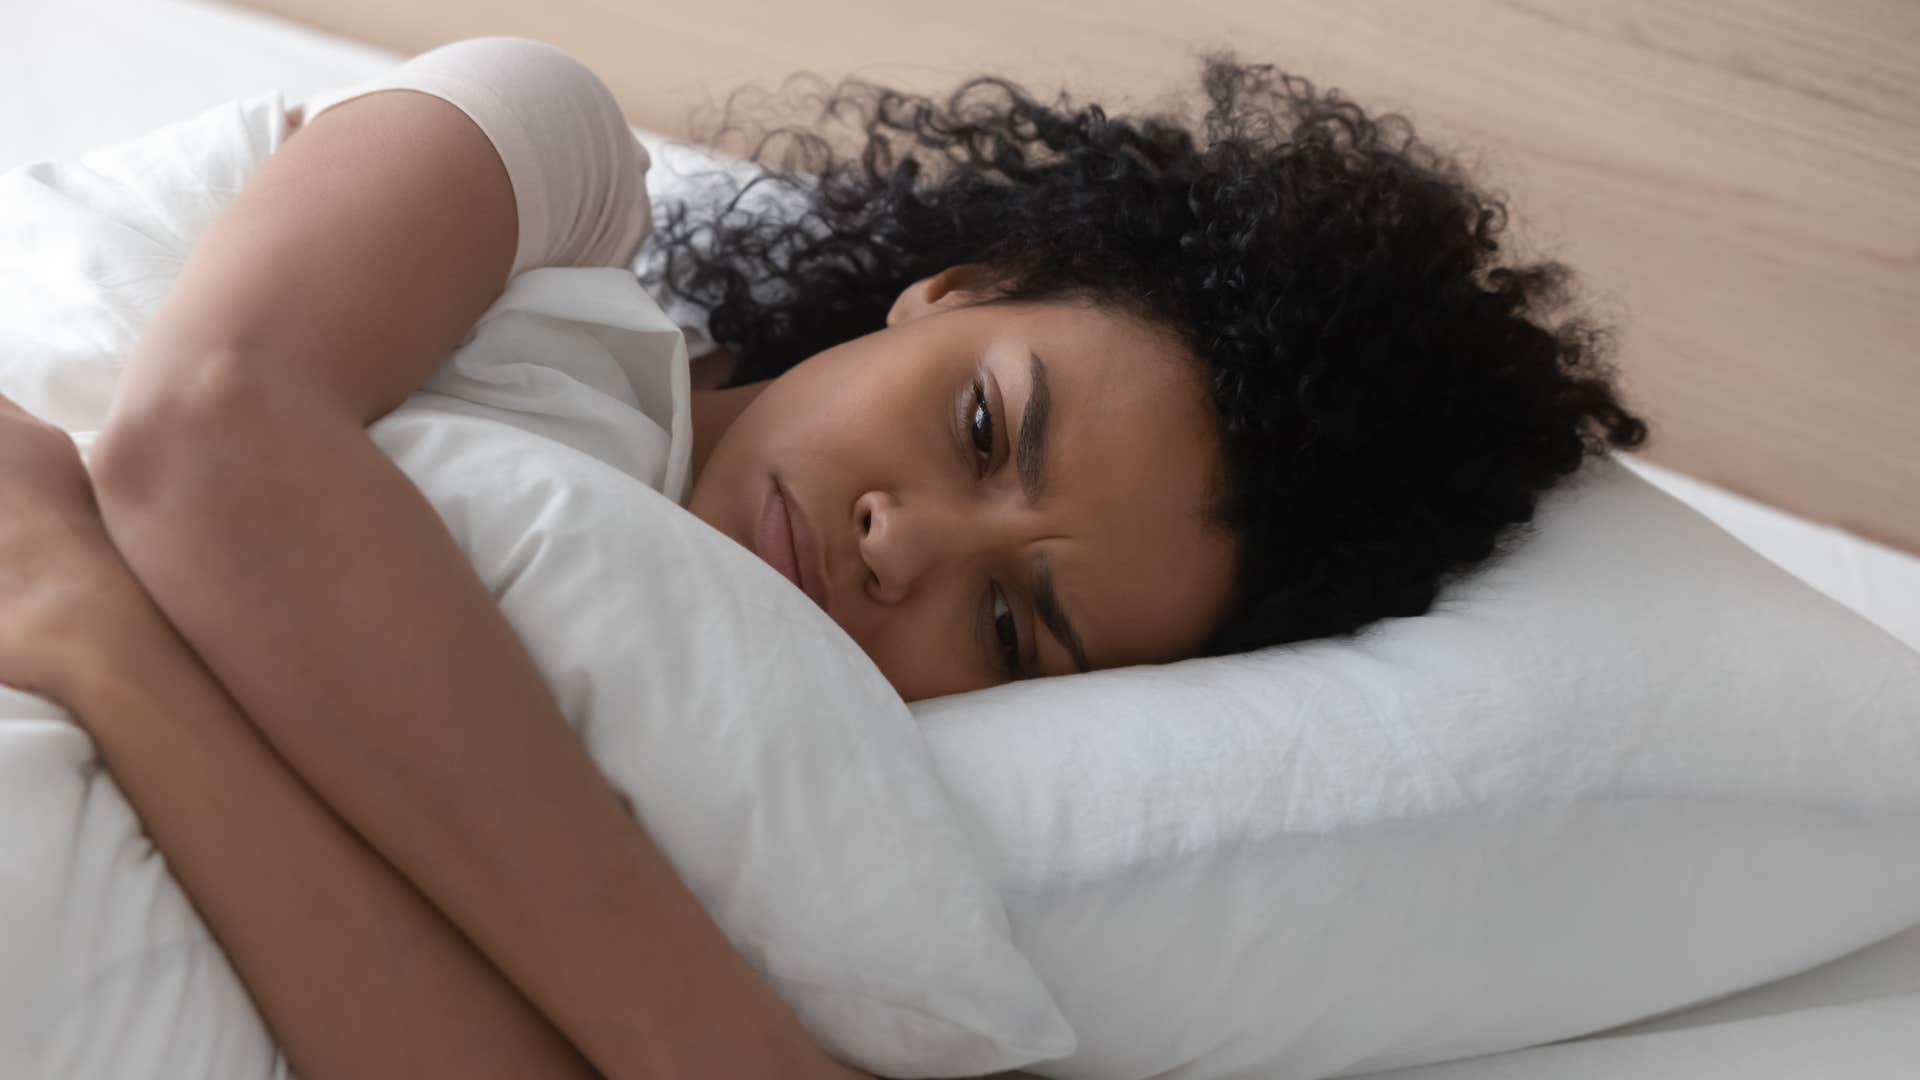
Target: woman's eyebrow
[
  {"x": 1048, "y": 606},
  {"x": 1033, "y": 430},
  {"x": 1031, "y": 458}
]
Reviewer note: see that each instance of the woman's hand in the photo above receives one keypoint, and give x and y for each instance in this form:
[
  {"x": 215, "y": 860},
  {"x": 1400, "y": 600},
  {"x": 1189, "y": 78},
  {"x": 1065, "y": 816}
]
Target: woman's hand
[{"x": 63, "y": 587}]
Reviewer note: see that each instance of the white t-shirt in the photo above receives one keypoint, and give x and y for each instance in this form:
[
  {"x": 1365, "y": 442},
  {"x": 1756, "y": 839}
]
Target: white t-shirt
[
  {"x": 574, "y": 349},
  {"x": 578, "y": 171}
]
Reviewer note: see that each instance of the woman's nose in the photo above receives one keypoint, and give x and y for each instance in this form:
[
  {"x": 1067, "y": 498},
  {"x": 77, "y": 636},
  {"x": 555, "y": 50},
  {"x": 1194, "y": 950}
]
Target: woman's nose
[{"x": 900, "y": 546}]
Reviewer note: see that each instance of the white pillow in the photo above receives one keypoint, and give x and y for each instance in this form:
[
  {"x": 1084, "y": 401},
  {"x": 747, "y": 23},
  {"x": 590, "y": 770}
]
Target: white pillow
[
  {"x": 767, "y": 756},
  {"x": 773, "y": 765},
  {"x": 1631, "y": 766}
]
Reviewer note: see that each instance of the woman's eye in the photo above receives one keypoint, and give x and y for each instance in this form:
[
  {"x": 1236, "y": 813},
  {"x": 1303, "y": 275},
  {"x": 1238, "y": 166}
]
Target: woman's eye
[
  {"x": 1008, "y": 634},
  {"x": 982, "y": 425}
]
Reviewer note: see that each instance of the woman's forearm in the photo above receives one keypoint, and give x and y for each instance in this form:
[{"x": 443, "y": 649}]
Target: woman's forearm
[
  {"x": 323, "y": 591},
  {"x": 357, "y": 975}
]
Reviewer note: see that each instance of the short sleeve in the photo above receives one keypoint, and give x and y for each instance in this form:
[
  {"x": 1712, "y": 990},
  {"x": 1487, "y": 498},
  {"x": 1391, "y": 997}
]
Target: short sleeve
[{"x": 577, "y": 169}]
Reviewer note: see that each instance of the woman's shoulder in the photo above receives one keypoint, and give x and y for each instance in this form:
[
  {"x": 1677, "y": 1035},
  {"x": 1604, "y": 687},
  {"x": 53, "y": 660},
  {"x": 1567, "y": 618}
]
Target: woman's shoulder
[{"x": 578, "y": 170}]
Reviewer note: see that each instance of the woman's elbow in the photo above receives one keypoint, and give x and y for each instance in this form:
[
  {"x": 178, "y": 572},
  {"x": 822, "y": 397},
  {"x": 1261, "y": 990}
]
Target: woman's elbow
[{"x": 181, "y": 437}]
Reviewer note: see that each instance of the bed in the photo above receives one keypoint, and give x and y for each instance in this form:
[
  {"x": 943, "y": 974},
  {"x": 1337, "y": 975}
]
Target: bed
[{"x": 84, "y": 73}]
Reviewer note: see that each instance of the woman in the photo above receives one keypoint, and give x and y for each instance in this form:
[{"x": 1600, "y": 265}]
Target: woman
[{"x": 1016, "y": 390}]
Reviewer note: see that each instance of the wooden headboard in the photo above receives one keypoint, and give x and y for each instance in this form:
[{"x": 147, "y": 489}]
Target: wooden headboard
[{"x": 1738, "y": 183}]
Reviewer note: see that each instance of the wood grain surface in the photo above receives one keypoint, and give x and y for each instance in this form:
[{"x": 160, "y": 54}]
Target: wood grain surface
[{"x": 1737, "y": 182}]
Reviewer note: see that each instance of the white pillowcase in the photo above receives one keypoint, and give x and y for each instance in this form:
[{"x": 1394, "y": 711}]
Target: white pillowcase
[
  {"x": 1629, "y": 767},
  {"x": 773, "y": 765},
  {"x": 770, "y": 760},
  {"x": 1632, "y": 766}
]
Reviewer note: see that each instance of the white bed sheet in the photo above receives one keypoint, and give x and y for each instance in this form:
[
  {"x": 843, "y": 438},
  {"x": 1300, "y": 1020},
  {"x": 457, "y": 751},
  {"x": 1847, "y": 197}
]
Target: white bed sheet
[{"x": 76, "y": 74}]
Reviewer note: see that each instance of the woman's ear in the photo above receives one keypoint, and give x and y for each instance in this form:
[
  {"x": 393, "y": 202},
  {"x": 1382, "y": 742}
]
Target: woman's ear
[{"x": 955, "y": 285}]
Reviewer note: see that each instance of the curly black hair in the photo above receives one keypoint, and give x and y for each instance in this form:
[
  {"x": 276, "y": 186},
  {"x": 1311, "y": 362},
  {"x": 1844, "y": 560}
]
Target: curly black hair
[{"x": 1392, "y": 400}]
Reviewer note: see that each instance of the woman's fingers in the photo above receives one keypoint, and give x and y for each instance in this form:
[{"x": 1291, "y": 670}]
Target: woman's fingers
[{"x": 62, "y": 583}]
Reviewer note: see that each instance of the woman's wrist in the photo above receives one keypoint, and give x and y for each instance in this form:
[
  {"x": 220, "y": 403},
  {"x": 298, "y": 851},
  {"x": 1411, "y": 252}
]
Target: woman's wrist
[{"x": 108, "y": 641}]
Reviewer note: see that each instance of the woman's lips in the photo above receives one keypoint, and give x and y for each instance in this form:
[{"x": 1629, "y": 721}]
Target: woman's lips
[{"x": 785, "y": 539}]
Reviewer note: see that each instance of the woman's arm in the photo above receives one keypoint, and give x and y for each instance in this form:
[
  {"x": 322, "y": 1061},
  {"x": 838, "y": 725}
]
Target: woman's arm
[
  {"x": 236, "y": 477},
  {"x": 357, "y": 975}
]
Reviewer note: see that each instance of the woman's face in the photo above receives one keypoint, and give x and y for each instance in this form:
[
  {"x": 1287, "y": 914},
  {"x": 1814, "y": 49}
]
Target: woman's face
[{"x": 978, "y": 494}]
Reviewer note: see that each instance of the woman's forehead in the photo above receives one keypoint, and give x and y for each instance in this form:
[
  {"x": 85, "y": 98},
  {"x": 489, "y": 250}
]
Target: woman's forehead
[
  {"x": 1143, "y": 572},
  {"x": 1132, "y": 456}
]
